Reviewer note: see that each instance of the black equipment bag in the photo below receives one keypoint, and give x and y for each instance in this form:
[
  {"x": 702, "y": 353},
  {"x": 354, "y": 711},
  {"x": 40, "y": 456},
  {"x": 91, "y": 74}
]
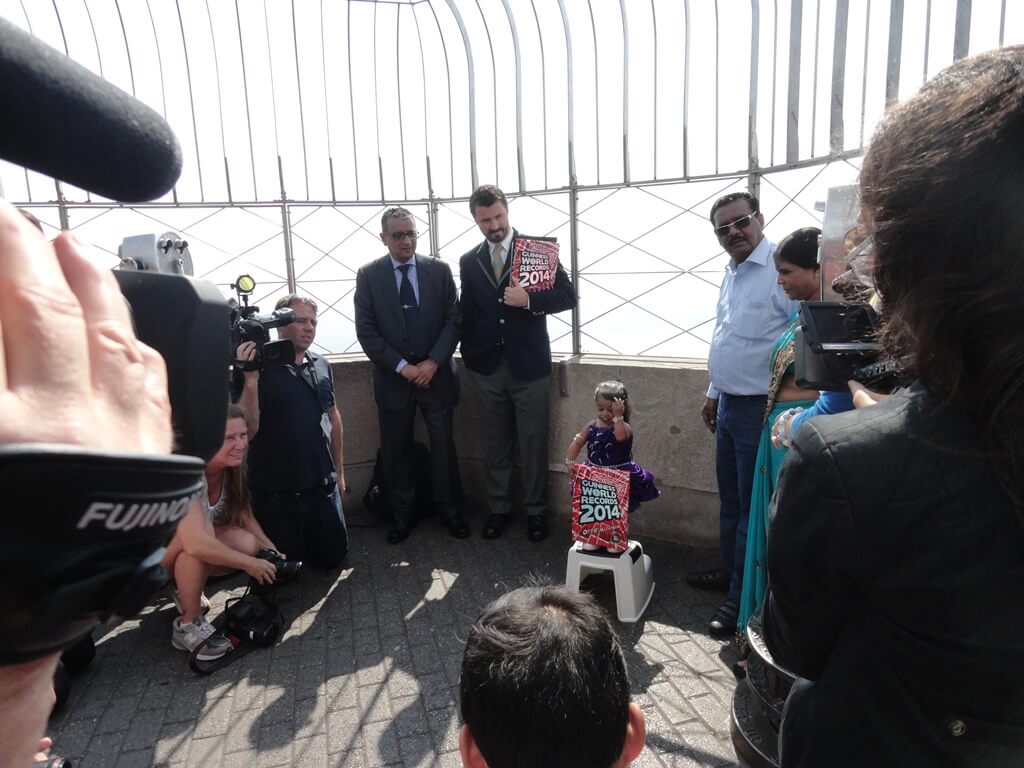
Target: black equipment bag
[{"x": 251, "y": 621}]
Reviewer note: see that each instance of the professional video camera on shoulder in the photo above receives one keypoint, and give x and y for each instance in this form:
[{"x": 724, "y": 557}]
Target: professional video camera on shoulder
[
  {"x": 248, "y": 325},
  {"x": 838, "y": 337}
]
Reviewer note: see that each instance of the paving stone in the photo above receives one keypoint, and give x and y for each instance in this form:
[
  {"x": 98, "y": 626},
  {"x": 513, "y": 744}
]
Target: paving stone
[{"x": 368, "y": 670}]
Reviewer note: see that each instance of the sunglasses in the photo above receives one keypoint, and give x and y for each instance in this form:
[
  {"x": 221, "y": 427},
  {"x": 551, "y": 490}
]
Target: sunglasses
[
  {"x": 398, "y": 237},
  {"x": 741, "y": 223}
]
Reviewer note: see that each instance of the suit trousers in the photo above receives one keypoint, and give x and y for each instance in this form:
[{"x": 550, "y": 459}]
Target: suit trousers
[
  {"x": 736, "y": 440},
  {"x": 397, "y": 428},
  {"x": 514, "y": 411},
  {"x": 307, "y": 525}
]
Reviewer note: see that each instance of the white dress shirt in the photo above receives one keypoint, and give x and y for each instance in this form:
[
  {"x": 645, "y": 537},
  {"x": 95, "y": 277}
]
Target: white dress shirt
[{"x": 753, "y": 310}]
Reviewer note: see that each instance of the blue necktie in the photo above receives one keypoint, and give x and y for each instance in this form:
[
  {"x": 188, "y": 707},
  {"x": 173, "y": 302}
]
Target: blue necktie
[{"x": 411, "y": 312}]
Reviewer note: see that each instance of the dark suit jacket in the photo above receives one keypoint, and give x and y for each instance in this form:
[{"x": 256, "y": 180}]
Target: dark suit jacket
[
  {"x": 490, "y": 327},
  {"x": 896, "y": 572},
  {"x": 380, "y": 328}
]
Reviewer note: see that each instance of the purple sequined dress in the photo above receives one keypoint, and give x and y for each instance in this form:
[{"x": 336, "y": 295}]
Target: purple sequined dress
[{"x": 604, "y": 450}]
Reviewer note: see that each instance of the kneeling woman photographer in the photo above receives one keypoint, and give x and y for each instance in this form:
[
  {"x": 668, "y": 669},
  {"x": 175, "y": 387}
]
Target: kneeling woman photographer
[{"x": 219, "y": 535}]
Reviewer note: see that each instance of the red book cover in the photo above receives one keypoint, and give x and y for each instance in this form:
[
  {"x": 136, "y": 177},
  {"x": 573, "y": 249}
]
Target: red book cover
[
  {"x": 600, "y": 506},
  {"x": 535, "y": 263}
]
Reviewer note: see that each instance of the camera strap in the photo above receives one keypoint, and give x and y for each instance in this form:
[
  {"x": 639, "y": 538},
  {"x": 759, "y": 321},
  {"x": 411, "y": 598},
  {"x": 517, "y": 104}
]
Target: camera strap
[{"x": 84, "y": 533}]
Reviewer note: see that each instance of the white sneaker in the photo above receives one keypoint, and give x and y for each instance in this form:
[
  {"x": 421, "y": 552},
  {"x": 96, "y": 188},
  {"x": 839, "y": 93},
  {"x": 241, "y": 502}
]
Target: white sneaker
[
  {"x": 204, "y": 601},
  {"x": 185, "y": 637}
]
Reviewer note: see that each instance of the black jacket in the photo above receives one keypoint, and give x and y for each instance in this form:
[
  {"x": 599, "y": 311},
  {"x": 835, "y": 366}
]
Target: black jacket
[
  {"x": 380, "y": 328},
  {"x": 490, "y": 328},
  {"x": 896, "y": 573}
]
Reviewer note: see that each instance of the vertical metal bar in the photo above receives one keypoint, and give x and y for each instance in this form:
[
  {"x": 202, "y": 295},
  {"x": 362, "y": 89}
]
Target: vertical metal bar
[
  {"x": 227, "y": 178},
  {"x": 352, "y": 98},
  {"x": 892, "y": 73},
  {"x": 95, "y": 40},
  {"x": 432, "y": 207},
  {"x": 423, "y": 86},
  {"x": 718, "y": 86},
  {"x": 327, "y": 102},
  {"x": 543, "y": 90},
  {"x": 273, "y": 91},
  {"x": 1002, "y": 21},
  {"x": 775, "y": 75},
  {"x": 927, "y": 38},
  {"x": 962, "y": 33},
  {"x": 597, "y": 93},
  {"x": 62, "y": 206},
  {"x": 448, "y": 80},
  {"x": 286, "y": 231},
  {"x": 519, "y": 97},
  {"x": 494, "y": 85},
  {"x": 570, "y": 82},
  {"x": 864, "y": 74},
  {"x": 796, "y": 14},
  {"x": 755, "y": 53},
  {"x": 160, "y": 67},
  {"x": 837, "y": 129},
  {"x": 220, "y": 101},
  {"x": 472, "y": 92},
  {"x": 245, "y": 91},
  {"x": 191, "y": 100},
  {"x": 376, "y": 105},
  {"x": 625, "y": 91},
  {"x": 814, "y": 87},
  {"x": 128, "y": 52},
  {"x": 686, "y": 89},
  {"x": 401, "y": 123},
  {"x": 574, "y": 263},
  {"x": 298, "y": 93}
]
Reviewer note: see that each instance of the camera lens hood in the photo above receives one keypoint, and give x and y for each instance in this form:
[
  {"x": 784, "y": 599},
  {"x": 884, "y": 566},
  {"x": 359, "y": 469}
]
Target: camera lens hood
[{"x": 84, "y": 533}]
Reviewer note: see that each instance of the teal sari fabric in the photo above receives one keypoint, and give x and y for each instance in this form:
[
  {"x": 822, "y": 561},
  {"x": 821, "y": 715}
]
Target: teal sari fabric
[{"x": 769, "y": 461}]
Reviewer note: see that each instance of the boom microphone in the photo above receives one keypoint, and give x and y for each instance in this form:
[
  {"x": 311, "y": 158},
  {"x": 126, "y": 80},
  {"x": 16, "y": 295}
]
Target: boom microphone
[{"x": 64, "y": 121}]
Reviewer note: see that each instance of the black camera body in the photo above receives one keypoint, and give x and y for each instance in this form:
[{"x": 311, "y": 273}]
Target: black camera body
[
  {"x": 838, "y": 341},
  {"x": 247, "y": 325},
  {"x": 287, "y": 570}
]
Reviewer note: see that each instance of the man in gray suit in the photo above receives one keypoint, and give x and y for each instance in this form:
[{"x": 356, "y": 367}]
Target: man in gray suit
[{"x": 408, "y": 323}]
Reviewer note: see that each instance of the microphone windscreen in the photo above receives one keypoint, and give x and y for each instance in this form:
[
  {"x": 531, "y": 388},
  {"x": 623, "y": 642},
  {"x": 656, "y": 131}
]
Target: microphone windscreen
[{"x": 64, "y": 121}]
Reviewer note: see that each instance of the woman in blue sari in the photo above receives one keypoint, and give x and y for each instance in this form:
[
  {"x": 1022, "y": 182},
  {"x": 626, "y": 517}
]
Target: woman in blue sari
[{"x": 796, "y": 261}]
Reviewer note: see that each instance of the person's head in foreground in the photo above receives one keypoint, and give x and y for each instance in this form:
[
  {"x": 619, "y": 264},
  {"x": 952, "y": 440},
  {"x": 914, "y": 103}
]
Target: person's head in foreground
[
  {"x": 544, "y": 684},
  {"x": 941, "y": 189}
]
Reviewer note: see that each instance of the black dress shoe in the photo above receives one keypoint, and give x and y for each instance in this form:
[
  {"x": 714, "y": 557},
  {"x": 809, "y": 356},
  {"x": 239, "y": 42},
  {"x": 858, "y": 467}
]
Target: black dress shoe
[
  {"x": 723, "y": 623},
  {"x": 715, "y": 580},
  {"x": 536, "y": 528},
  {"x": 494, "y": 526},
  {"x": 457, "y": 526},
  {"x": 398, "y": 534}
]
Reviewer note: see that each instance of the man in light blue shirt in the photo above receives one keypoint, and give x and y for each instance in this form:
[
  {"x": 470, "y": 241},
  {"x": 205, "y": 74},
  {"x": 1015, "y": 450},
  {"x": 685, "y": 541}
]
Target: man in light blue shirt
[{"x": 752, "y": 312}]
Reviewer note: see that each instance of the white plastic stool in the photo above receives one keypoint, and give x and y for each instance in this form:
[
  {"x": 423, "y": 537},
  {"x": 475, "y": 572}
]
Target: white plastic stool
[{"x": 632, "y": 571}]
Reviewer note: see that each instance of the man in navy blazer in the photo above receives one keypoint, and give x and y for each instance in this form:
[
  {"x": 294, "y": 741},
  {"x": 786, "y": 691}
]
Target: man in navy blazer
[
  {"x": 408, "y": 323},
  {"x": 506, "y": 349}
]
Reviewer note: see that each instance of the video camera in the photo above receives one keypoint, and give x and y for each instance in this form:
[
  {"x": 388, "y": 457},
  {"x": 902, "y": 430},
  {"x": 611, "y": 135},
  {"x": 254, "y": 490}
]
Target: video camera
[
  {"x": 187, "y": 322},
  {"x": 248, "y": 325},
  {"x": 838, "y": 341}
]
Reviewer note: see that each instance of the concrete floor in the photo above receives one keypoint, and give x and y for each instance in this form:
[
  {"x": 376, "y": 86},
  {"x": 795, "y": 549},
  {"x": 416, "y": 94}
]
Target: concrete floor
[{"x": 367, "y": 673}]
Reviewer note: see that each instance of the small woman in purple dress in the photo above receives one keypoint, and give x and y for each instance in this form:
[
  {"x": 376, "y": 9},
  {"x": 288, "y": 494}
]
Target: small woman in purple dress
[{"x": 609, "y": 442}]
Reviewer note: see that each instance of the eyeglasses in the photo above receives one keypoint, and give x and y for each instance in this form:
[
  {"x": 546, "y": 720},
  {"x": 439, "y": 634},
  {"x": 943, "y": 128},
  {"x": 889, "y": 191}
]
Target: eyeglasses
[
  {"x": 741, "y": 223},
  {"x": 398, "y": 237}
]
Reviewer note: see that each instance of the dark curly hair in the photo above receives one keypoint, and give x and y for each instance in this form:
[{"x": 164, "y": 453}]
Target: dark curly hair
[{"x": 941, "y": 189}]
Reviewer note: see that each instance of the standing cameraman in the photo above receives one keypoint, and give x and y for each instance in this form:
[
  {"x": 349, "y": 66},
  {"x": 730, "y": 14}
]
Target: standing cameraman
[{"x": 296, "y": 474}]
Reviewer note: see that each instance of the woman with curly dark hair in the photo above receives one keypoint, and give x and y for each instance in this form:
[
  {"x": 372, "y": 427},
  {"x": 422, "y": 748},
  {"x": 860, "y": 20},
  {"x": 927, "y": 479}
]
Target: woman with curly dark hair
[{"x": 896, "y": 552}]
